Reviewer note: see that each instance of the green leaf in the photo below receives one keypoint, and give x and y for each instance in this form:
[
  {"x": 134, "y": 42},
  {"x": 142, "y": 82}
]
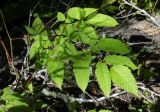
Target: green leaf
[
  {"x": 61, "y": 16},
  {"x": 103, "y": 78},
  {"x": 68, "y": 30},
  {"x": 86, "y": 34},
  {"x": 102, "y": 20},
  {"x": 120, "y": 60},
  {"x": 91, "y": 111},
  {"x": 55, "y": 70},
  {"x": 59, "y": 40},
  {"x": 40, "y": 43},
  {"x": 39, "y": 27},
  {"x": 81, "y": 68},
  {"x": 30, "y": 30},
  {"x": 80, "y": 13},
  {"x": 75, "y": 13},
  {"x": 40, "y": 38},
  {"x": 30, "y": 87},
  {"x": 107, "y": 2},
  {"x": 14, "y": 101},
  {"x": 59, "y": 48},
  {"x": 89, "y": 11},
  {"x": 70, "y": 50},
  {"x": 113, "y": 45},
  {"x": 104, "y": 111},
  {"x": 122, "y": 76},
  {"x": 60, "y": 30},
  {"x": 34, "y": 49}
]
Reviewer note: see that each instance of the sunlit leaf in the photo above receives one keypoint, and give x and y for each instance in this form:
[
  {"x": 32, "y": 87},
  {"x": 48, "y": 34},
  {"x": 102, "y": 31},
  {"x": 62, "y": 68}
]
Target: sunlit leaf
[
  {"x": 103, "y": 78},
  {"x": 68, "y": 30},
  {"x": 102, "y": 20},
  {"x": 61, "y": 16},
  {"x": 75, "y": 13},
  {"x": 70, "y": 50},
  {"x": 122, "y": 77},
  {"x": 85, "y": 34},
  {"x": 14, "y": 101},
  {"x": 89, "y": 11},
  {"x": 34, "y": 49},
  {"x": 55, "y": 69},
  {"x": 113, "y": 45},
  {"x": 120, "y": 60},
  {"x": 81, "y": 68},
  {"x": 39, "y": 27}
]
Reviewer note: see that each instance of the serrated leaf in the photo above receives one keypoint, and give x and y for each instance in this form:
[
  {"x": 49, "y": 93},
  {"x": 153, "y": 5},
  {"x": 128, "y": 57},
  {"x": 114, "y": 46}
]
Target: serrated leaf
[
  {"x": 102, "y": 20},
  {"x": 80, "y": 13},
  {"x": 85, "y": 34},
  {"x": 89, "y": 11},
  {"x": 103, "y": 78},
  {"x": 39, "y": 27},
  {"x": 59, "y": 40},
  {"x": 34, "y": 49},
  {"x": 60, "y": 30},
  {"x": 81, "y": 68},
  {"x": 61, "y": 16},
  {"x": 55, "y": 70},
  {"x": 120, "y": 60},
  {"x": 113, "y": 45},
  {"x": 70, "y": 50},
  {"x": 75, "y": 13},
  {"x": 40, "y": 38},
  {"x": 122, "y": 76},
  {"x": 68, "y": 30}
]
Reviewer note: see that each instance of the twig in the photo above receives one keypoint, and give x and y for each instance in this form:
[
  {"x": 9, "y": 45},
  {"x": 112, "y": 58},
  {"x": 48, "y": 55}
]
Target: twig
[
  {"x": 80, "y": 100},
  {"x": 138, "y": 43},
  {"x": 142, "y": 11},
  {"x": 148, "y": 100},
  {"x": 10, "y": 39},
  {"x": 31, "y": 12},
  {"x": 5, "y": 49},
  {"x": 155, "y": 5},
  {"x": 148, "y": 90}
]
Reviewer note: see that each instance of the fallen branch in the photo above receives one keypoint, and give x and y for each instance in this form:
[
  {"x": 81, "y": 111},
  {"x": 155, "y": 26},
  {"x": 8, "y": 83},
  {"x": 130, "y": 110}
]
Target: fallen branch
[{"x": 142, "y": 11}]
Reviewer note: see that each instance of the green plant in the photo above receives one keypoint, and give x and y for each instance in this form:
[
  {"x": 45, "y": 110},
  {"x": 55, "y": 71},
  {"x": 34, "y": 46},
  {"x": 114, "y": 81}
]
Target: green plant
[
  {"x": 78, "y": 45},
  {"x": 13, "y": 102}
]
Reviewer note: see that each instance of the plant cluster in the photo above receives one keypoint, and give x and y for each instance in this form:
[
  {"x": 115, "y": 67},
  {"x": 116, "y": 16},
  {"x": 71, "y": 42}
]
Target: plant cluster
[{"x": 75, "y": 44}]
